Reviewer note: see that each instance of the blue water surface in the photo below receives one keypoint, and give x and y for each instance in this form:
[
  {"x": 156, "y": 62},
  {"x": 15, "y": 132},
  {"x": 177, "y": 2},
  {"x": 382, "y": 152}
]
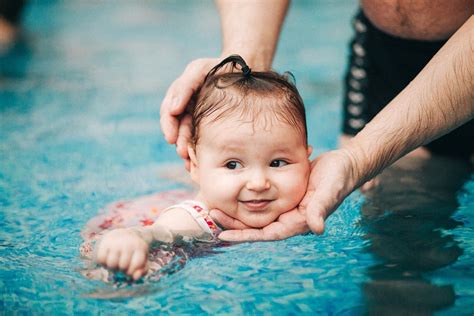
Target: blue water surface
[{"x": 79, "y": 128}]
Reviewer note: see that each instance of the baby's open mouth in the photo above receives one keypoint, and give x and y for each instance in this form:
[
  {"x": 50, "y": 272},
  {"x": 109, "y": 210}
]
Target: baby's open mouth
[{"x": 255, "y": 205}]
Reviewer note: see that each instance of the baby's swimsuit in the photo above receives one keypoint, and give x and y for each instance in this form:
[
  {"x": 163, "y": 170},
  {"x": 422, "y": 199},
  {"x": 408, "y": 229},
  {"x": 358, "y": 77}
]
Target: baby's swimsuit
[
  {"x": 200, "y": 213},
  {"x": 381, "y": 66},
  {"x": 143, "y": 212}
]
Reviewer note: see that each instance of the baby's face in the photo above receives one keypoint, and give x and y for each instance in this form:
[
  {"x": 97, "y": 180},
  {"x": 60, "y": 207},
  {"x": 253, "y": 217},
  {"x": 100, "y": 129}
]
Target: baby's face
[{"x": 251, "y": 171}]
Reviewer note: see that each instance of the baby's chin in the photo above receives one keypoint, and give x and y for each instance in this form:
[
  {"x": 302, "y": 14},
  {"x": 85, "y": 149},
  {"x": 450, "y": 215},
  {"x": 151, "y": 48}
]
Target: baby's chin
[
  {"x": 261, "y": 219},
  {"x": 256, "y": 220}
]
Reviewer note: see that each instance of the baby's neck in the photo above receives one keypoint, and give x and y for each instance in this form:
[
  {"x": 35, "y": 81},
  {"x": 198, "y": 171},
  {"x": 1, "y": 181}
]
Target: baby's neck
[{"x": 199, "y": 197}]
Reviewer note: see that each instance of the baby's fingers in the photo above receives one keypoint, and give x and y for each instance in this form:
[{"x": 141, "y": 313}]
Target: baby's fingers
[
  {"x": 138, "y": 274},
  {"x": 113, "y": 258},
  {"x": 137, "y": 262},
  {"x": 101, "y": 254},
  {"x": 124, "y": 261}
]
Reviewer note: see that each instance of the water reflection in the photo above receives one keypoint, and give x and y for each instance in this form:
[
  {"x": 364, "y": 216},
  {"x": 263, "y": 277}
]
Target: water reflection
[{"x": 408, "y": 222}]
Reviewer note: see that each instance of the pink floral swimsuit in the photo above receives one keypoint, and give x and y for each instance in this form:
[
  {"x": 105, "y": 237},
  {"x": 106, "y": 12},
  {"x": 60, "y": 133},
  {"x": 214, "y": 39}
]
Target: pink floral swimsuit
[{"x": 143, "y": 211}]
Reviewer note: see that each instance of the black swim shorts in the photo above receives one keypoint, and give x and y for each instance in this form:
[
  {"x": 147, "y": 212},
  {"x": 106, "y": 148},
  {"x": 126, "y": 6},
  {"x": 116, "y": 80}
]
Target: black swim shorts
[
  {"x": 10, "y": 10},
  {"x": 380, "y": 66}
]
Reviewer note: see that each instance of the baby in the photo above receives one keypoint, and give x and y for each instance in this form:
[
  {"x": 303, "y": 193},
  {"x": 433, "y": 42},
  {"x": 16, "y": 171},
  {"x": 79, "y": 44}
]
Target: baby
[{"x": 249, "y": 156}]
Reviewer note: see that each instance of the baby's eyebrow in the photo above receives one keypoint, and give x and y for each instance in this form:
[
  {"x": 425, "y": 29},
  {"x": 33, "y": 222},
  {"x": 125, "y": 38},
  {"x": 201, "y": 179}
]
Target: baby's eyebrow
[
  {"x": 231, "y": 147},
  {"x": 284, "y": 152}
]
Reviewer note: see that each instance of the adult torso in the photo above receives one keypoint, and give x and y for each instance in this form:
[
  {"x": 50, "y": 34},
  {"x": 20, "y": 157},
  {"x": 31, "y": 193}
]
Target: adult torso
[{"x": 418, "y": 19}]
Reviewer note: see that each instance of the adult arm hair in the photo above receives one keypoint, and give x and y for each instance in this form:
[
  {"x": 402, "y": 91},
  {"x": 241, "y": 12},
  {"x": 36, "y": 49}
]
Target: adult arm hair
[{"x": 439, "y": 99}]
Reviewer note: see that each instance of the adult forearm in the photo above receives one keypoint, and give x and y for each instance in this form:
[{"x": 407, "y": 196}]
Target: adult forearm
[
  {"x": 251, "y": 29},
  {"x": 438, "y": 100}
]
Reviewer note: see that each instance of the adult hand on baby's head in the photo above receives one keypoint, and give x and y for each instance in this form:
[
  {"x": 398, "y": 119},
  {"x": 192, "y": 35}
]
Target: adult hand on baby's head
[
  {"x": 176, "y": 127},
  {"x": 124, "y": 250}
]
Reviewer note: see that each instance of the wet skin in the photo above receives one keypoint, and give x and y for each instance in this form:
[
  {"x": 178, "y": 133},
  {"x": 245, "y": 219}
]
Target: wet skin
[{"x": 418, "y": 19}]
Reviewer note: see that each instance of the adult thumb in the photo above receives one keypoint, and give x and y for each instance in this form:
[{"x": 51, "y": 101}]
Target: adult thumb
[
  {"x": 315, "y": 223},
  {"x": 315, "y": 215}
]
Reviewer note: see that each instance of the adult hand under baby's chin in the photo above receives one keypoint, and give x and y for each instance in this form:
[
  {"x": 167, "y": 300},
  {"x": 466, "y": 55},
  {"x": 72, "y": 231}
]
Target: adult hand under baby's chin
[
  {"x": 288, "y": 224},
  {"x": 333, "y": 177},
  {"x": 251, "y": 219},
  {"x": 257, "y": 222}
]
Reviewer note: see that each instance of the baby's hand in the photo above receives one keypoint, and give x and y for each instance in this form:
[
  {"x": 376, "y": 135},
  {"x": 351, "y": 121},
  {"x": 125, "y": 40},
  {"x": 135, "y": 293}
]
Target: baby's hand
[{"x": 124, "y": 250}]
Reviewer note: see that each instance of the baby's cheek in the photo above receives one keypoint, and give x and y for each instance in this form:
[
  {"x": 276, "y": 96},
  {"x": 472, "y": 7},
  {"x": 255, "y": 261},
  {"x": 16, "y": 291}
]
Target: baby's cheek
[
  {"x": 296, "y": 186},
  {"x": 220, "y": 193}
]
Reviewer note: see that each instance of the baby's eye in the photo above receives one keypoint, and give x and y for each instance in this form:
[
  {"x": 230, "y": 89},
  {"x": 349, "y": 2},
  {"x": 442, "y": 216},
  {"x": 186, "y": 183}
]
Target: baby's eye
[
  {"x": 278, "y": 163},
  {"x": 233, "y": 165}
]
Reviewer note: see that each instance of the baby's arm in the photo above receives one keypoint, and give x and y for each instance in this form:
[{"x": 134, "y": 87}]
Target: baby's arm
[{"x": 126, "y": 249}]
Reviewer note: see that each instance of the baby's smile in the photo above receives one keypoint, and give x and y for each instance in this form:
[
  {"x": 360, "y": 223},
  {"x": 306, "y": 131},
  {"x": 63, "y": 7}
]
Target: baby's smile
[{"x": 255, "y": 205}]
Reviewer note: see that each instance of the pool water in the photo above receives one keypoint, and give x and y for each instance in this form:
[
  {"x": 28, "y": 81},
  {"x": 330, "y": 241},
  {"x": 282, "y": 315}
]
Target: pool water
[{"x": 79, "y": 124}]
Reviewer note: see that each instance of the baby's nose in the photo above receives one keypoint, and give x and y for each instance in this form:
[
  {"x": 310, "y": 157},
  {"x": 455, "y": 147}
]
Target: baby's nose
[{"x": 258, "y": 182}]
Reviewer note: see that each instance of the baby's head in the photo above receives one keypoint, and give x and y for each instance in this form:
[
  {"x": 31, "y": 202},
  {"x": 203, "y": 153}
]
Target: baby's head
[{"x": 249, "y": 152}]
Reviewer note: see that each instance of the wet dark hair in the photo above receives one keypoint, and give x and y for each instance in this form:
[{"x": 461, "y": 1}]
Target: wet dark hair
[{"x": 227, "y": 91}]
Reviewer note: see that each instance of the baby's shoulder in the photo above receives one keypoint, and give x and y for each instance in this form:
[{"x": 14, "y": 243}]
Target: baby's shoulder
[{"x": 195, "y": 211}]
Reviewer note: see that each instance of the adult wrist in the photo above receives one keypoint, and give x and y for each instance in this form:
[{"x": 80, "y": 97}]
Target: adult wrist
[
  {"x": 346, "y": 166},
  {"x": 375, "y": 148},
  {"x": 362, "y": 164}
]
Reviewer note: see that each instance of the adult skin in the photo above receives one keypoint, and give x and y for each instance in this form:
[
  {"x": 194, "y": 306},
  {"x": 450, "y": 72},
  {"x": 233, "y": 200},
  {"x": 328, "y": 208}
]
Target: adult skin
[{"x": 439, "y": 99}]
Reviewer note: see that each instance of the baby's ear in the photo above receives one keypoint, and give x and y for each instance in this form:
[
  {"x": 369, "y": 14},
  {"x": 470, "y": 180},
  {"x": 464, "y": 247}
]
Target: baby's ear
[
  {"x": 193, "y": 166},
  {"x": 310, "y": 150}
]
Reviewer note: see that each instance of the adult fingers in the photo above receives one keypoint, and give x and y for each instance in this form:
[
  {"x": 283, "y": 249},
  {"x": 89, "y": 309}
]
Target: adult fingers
[
  {"x": 316, "y": 223},
  {"x": 179, "y": 94},
  {"x": 226, "y": 221},
  {"x": 313, "y": 210},
  {"x": 184, "y": 137},
  {"x": 242, "y": 235},
  {"x": 274, "y": 231},
  {"x": 174, "y": 104},
  {"x": 182, "y": 89},
  {"x": 330, "y": 182},
  {"x": 317, "y": 204},
  {"x": 169, "y": 126},
  {"x": 288, "y": 224}
]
